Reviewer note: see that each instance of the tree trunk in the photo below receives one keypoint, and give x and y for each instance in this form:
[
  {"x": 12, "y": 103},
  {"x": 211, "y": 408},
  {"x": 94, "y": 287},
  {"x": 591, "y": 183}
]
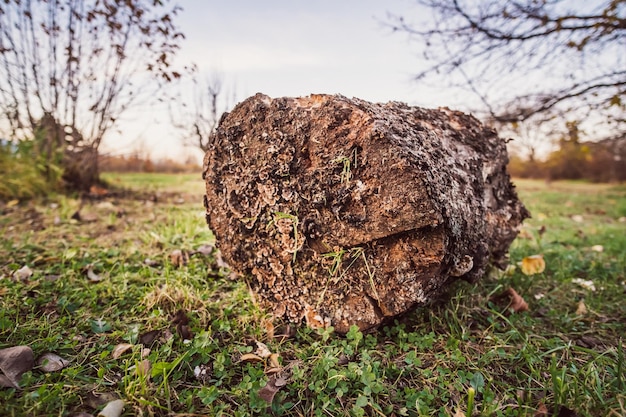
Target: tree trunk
[{"x": 344, "y": 212}]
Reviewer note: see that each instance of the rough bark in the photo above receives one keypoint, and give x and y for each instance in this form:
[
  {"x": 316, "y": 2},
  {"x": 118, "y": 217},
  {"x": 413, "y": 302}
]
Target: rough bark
[{"x": 342, "y": 212}]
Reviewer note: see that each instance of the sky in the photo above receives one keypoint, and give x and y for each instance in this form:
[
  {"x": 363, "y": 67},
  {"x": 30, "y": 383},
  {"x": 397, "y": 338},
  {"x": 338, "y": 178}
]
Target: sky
[{"x": 288, "y": 48}]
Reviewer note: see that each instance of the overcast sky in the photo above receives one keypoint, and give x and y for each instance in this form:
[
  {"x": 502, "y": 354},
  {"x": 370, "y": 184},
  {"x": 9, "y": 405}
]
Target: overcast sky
[{"x": 289, "y": 48}]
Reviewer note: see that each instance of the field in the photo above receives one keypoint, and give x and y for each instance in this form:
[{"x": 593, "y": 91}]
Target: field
[{"x": 127, "y": 293}]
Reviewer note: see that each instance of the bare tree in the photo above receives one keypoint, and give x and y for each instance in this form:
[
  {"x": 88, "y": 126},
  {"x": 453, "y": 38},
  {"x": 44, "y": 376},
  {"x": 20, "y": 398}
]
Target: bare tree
[
  {"x": 71, "y": 68},
  {"x": 528, "y": 60},
  {"x": 197, "y": 114}
]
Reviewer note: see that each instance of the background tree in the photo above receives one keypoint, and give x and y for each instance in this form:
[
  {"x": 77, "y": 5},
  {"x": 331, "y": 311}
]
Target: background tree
[
  {"x": 196, "y": 115},
  {"x": 535, "y": 61},
  {"x": 69, "y": 69}
]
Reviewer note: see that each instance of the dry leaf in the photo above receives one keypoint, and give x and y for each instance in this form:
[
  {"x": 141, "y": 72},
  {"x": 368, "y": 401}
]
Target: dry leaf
[
  {"x": 597, "y": 248},
  {"x": 14, "y": 361},
  {"x": 112, "y": 409},
  {"x": 578, "y": 218},
  {"x": 23, "y": 273},
  {"x": 532, "y": 265},
  {"x": 542, "y": 411},
  {"x": 96, "y": 191},
  {"x": 179, "y": 258},
  {"x": 143, "y": 368},
  {"x": 281, "y": 381},
  {"x": 589, "y": 341},
  {"x": 148, "y": 338},
  {"x": 93, "y": 277},
  {"x": 167, "y": 335},
  {"x": 184, "y": 332},
  {"x": 274, "y": 365},
  {"x": 84, "y": 218},
  {"x": 12, "y": 203},
  {"x": 120, "y": 349},
  {"x": 585, "y": 283},
  {"x": 268, "y": 325},
  {"x": 51, "y": 362},
  {"x": 274, "y": 360},
  {"x": 541, "y": 217},
  {"x": 459, "y": 413},
  {"x": 581, "y": 310},
  {"x": 250, "y": 357},
  {"x": 96, "y": 399},
  {"x": 205, "y": 249},
  {"x": 150, "y": 262},
  {"x": 517, "y": 302},
  {"x": 270, "y": 389},
  {"x": 180, "y": 318}
]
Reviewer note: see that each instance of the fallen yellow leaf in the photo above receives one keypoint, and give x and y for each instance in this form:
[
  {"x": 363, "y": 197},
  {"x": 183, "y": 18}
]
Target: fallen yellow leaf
[{"x": 532, "y": 265}]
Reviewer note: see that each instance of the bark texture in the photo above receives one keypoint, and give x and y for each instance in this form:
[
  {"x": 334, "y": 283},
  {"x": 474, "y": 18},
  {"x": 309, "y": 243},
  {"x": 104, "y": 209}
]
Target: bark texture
[{"x": 342, "y": 211}]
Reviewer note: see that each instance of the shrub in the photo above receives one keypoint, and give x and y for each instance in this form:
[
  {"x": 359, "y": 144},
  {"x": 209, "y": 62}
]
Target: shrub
[{"x": 27, "y": 170}]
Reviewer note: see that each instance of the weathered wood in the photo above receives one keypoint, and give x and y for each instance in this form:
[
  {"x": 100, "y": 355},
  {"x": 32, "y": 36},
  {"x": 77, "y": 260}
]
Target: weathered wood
[{"x": 343, "y": 212}]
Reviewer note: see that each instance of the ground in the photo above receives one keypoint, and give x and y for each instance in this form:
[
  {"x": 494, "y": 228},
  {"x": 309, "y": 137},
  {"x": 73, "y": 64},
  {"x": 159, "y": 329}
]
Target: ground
[{"x": 127, "y": 289}]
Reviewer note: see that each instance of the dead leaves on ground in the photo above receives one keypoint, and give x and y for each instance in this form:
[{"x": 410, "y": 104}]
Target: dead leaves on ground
[
  {"x": 51, "y": 362},
  {"x": 17, "y": 360},
  {"x": 112, "y": 409},
  {"x": 270, "y": 389},
  {"x": 278, "y": 375},
  {"x": 180, "y": 258},
  {"x": 23, "y": 274},
  {"x": 14, "y": 362},
  {"x": 120, "y": 349},
  {"x": 517, "y": 304}
]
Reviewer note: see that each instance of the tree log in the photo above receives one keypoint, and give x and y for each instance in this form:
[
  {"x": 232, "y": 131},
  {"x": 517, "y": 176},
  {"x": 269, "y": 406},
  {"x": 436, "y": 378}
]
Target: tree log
[{"x": 340, "y": 211}]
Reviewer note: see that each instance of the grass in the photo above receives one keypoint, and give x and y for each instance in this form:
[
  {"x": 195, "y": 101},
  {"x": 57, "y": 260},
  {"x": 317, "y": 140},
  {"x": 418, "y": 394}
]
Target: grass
[{"x": 465, "y": 352}]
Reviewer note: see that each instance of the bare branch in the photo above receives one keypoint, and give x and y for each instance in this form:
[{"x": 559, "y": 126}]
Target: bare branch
[
  {"x": 196, "y": 122},
  {"x": 525, "y": 59}
]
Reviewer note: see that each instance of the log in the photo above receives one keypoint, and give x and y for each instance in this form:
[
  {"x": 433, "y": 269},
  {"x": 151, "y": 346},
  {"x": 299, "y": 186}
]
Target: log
[{"x": 344, "y": 212}]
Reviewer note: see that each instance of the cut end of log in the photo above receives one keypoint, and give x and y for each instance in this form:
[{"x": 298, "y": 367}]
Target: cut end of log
[{"x": 344, "y": 212}]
